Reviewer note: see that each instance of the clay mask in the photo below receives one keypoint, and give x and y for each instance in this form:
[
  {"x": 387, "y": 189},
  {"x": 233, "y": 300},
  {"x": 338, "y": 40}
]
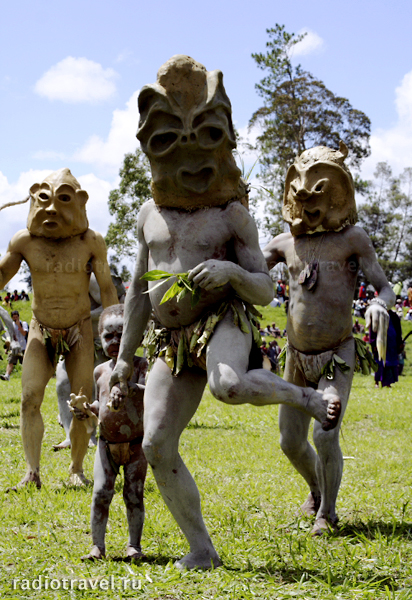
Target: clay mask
[
  {"x": 58, "y": 207},
  {"x": 319, "y": 192},
  {"x": 186, "y": 130}
]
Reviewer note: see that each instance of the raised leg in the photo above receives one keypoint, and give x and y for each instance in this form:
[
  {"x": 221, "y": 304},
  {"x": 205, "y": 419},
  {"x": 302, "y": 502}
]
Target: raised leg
[
  {"x": 134, "y": 478},
  {"x": 229, "y": 380},
  {"x": 169, "y": 404},
  {"x": 79, "y": 365},
  {"x": 103, "y": 491},
  {"x": 37, "y": 371}
]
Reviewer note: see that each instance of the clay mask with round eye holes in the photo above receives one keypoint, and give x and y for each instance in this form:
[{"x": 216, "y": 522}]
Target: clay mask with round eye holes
[
  {"x": 319, "y": 192},
  {"x": 186, "y": 130},
  {"x": 57, "y": 207}
]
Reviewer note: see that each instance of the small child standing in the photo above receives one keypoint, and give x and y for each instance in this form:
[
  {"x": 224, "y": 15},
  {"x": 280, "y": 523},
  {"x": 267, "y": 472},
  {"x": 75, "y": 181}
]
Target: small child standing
[{"x": 120, "y": 441}]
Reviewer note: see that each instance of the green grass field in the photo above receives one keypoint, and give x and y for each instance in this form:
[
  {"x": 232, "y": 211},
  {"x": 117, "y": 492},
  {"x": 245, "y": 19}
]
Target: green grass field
[{"x": 250, "y": 494}]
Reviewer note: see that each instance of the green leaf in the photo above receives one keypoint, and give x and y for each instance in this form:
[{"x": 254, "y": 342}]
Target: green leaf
[
  {"x": 171, "y": 292},
  {"x": 196, "y": 293},
  {"x": 157, "y": 285},
  {"x": 182, "y": 293},
  {"x": 155, "y": 275}
]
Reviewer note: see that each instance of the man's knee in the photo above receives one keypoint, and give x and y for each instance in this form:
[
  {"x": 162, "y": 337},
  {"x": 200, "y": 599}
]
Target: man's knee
[
  {"x": 325, "y": 440},
  {"x": 225, "y": 385},
  {"x": 292, "y": 445},
  {"x": 31, "y": 399},
  {"x": 158, "y": 449},
  {"x": 103, "y": 495},
  {"x": 133, "y": 495}
]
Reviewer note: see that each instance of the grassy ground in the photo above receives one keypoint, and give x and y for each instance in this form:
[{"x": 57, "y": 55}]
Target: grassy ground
[{"x": 249, "y": 494}]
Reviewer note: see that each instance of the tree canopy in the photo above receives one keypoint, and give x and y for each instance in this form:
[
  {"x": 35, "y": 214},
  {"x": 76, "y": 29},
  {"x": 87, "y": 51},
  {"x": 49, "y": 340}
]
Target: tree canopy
[
  {"x": 298, "y": 112},
  {"x": 386, "y": 215},
  {"x": 125, "y": 202}
]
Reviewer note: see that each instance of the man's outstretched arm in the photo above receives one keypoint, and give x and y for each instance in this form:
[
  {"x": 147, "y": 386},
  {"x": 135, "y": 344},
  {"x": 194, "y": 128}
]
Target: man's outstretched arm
[
  {"x": 11, "y": 261},
  {"x": 137, "y": 309}
]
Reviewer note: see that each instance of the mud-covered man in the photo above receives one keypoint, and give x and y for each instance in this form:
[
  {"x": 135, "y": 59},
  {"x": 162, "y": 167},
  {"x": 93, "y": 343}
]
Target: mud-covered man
[
  {"x": 60, "y": 251},
  {"x": 196, "y": 223},
  {"x": 324, "y": 252}
]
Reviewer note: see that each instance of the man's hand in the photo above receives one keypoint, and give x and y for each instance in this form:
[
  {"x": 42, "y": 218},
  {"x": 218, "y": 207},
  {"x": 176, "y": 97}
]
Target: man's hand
[
  {"x": 121, "y": 374},
  {"x": 116, "y": 399},
  {"x": 377, "y": 317},
  {"x": 212, "y": 273},
  {"x": 82, "y": 411}
]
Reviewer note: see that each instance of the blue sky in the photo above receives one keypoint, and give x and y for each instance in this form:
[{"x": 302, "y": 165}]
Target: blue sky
[{"x": 70, "y": 73}]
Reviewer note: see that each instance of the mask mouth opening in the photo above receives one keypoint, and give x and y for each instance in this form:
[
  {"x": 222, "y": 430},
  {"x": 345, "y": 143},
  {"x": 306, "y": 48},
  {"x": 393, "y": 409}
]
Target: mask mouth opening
[
  {"x": 51, "y": 224},
  {"x": 198, "y": 182},
  {"x": 312, "y": 216}
]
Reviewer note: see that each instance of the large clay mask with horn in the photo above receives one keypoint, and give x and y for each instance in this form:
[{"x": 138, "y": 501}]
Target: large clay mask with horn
[
  {"x": 319, "y": 192},
  {"x": 58, "y": 207},
  {"x": 186, "y": 130}
]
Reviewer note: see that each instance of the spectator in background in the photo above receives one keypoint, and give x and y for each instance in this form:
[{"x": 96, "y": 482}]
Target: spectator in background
[
  {"x": 273, "y": 353},
  {"x": 397, "y": 289},
  {"x": 280, "y": 291},
  {"x": 398, "y": 308},
  {"x": 408, "y": 316},
  {"x": 21, "y": 331},
  {"x": 362, "y": 291}
]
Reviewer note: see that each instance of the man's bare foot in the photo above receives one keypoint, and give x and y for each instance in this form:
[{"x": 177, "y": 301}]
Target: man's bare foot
[
  {"x": 310, "y": 507},
  {"x": 62, "y": 445},
  {"x": 325, "y": 407},
  {"x": 32, "y": 478},
  {"x": 95, "y": 553},
  {"x": 198, "y": 561},
  {"x": 323, "y": 526},
  {"x": 79, "y": 479},
  {"x": 134, "y": 553}
]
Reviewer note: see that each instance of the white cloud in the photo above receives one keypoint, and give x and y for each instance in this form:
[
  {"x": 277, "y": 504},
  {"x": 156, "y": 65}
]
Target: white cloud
[
  {"x": 311, "y": 42},
  {"x": 394, "y": 144},
  {"x": 107, "y": 155},
  {"x": 77, "y": 80}
]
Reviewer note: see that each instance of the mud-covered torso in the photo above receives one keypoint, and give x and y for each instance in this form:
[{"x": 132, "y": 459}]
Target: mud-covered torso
[
  {"x": 320, "y": 318},
  {"x": 126, "y": 424},
  {"x": 60, "y": 273},
  {"x": 178, "y": 241}
]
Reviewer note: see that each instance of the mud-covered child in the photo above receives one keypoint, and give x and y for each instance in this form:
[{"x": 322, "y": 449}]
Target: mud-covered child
[{"x": 120, "y": 441}]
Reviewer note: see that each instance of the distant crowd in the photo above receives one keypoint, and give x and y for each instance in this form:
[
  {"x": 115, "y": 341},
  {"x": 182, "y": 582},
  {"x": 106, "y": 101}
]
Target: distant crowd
[{"x": 11, "y": 297}]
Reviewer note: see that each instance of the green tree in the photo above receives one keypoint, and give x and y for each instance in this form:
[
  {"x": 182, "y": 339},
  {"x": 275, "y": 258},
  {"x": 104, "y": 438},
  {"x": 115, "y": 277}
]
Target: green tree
[
  {"x": 298, "y": 112},
  {"x": 386, "y": 215},
  {"x": 124, "y": 204}
]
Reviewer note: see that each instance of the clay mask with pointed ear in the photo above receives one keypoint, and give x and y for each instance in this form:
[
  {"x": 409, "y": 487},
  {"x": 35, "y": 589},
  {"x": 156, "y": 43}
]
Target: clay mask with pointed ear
[
  {"x": 186, "y": 130},
  {"x": 57, "y": 207},
  {"x": 319, "y": 192}
]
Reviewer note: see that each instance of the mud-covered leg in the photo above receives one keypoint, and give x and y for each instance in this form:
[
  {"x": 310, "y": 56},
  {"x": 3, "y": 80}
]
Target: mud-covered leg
[
  {"x": 63, "y": 396},
  {"x": 79, "y": 365},
  {"x": 37, "y": 371},
  {"x": 103, "y": 491},
  {"x": 230, "y": 381},
  {"x": 294, "y": 429},
  {"x": 329, "y": 466},
  {"x": 134, "y": 478},
  {"x": 169, "y": 404}
]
